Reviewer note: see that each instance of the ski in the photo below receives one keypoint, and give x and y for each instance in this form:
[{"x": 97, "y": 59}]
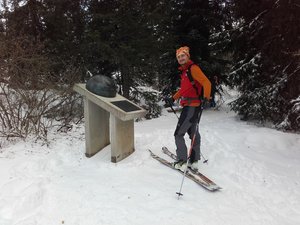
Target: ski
[
  {"x": 189, "y": 175},
  {"x": 197, "y": 173}
]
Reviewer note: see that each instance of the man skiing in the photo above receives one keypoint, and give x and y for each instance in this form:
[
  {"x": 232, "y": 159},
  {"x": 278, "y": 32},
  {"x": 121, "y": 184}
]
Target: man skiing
[{"x": 193, "y": 81}]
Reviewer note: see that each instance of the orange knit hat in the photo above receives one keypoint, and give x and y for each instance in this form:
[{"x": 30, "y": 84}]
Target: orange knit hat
[{"x": 184, "y": 49}]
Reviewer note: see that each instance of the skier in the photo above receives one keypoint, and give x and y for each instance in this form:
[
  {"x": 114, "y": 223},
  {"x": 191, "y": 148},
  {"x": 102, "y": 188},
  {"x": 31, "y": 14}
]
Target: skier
[{"x": 193, "y": 81}]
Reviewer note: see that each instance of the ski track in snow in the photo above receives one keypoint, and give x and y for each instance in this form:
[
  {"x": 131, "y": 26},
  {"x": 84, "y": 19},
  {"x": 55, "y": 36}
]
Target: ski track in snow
[{"x": 258, "y": 169}]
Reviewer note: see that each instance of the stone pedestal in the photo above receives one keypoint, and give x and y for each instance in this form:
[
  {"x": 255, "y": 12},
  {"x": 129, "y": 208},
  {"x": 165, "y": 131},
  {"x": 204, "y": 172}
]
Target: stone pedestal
[
  {"x": 107, "y": 121},
  {"x": 96, "y": 128},
  {"x": 122, "y": 138}
]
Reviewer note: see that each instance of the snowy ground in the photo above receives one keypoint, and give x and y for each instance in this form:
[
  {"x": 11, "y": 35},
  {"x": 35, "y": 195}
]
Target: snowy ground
[{"x": 258, "y": 168}]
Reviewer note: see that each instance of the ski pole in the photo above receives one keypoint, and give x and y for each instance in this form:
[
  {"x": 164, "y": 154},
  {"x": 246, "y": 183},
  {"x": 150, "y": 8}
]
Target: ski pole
[
  {"x": 205, "y": 160},
  {"x": 170, "y": 104},
  {"x": 174, "y": 111},
  {"x": 199, "y": 117},
  {"x": 190, "y": 152},
  {"x": 202, "y": 107},
  {"x": 187, "y": 163}
]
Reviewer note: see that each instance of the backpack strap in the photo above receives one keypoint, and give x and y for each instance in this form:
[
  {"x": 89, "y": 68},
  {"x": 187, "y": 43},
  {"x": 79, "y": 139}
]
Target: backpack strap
[{"x": 189, "y": 74}]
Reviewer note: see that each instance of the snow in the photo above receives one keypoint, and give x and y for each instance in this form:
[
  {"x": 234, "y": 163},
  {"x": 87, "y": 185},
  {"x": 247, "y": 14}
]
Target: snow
[{"x": 258, "y": 169}]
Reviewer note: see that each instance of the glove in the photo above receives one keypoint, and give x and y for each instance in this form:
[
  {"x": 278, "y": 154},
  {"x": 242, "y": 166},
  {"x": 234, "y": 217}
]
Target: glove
[
  {"x": 169, "y": 100},
  {"x": 205, "y": 103}
]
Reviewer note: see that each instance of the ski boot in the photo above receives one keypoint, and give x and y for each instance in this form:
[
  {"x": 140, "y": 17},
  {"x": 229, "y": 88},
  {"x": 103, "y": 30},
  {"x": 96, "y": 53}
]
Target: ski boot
[
  {"x": 193, "y": 165},
  {"x": 180, "y": 165}
]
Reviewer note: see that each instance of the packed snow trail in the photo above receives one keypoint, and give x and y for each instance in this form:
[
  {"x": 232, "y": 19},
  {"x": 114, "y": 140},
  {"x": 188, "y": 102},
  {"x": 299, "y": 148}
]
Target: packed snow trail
[{"x": 258, "y": 169}]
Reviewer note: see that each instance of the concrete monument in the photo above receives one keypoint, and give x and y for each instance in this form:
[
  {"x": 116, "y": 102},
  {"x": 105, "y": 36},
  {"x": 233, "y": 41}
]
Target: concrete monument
[{"x": 108, "y": 120}]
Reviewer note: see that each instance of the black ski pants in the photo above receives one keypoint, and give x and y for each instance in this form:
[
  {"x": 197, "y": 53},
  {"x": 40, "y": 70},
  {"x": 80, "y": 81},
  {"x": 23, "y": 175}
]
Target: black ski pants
[{"x": 187, "y": 123}]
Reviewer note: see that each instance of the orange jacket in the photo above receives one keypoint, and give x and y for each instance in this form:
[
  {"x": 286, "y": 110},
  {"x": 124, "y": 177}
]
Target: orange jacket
[{"x": 199, "y": 76}]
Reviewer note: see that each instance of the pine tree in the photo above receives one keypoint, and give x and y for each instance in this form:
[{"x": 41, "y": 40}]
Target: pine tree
[
  {"x": 265, "y": 42},
  {"x": 221, "y": 22},
  {"x": 121, "y": 34},
  {"x": 64, "y": 26}
]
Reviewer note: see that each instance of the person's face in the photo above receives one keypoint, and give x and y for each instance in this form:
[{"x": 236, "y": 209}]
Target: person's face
[{"x": 182, "y": 58}]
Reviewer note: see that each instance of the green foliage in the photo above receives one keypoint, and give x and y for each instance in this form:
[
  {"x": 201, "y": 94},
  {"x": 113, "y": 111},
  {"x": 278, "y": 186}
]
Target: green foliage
[
  {"x": 265, "y": 45},
  {"x": 148, "y": 99},
  {"x": 253, "y": 45}
]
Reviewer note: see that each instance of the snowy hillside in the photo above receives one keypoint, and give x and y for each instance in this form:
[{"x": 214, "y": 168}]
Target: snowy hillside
[{"x": 258, "y": 169}]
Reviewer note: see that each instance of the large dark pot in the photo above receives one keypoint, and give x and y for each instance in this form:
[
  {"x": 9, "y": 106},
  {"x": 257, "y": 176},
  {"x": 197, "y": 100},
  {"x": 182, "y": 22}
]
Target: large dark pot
[{"x": 102, "y": 85}]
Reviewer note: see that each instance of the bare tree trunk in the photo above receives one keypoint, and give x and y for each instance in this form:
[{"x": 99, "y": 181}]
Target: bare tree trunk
[{"x": 126, "y": 81}]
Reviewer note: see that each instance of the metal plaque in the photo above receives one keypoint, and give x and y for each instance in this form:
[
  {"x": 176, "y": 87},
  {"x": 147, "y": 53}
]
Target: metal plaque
[{"x": 126, "y": 106}]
